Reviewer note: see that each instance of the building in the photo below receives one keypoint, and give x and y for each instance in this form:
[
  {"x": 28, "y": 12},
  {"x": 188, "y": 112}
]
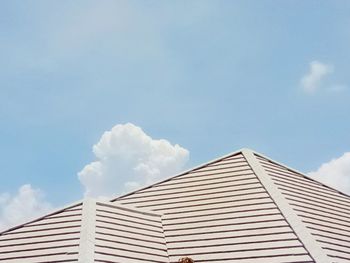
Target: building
[{"x": 243, "y": 207}]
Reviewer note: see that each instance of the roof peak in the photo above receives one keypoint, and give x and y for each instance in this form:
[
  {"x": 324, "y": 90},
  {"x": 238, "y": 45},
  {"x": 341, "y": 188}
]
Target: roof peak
[{"x": 239, "y": 198}]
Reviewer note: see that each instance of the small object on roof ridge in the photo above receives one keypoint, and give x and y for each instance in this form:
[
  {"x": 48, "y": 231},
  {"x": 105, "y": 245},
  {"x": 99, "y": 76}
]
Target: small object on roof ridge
[{"x": 186, "y": 260}]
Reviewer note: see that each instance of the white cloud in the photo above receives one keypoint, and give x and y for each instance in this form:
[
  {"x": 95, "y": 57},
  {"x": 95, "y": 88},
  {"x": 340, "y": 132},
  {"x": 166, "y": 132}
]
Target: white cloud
[
  {"x": 335, "y": 173},
  {"x": 127, "y": 158},
  {"x": 25, "y": 205},
  {"x": 312, "y": 81}
]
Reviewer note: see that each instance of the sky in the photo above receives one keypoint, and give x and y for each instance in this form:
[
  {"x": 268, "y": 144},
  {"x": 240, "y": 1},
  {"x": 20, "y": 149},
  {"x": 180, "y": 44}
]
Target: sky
[{"x": 102, "y": 97}]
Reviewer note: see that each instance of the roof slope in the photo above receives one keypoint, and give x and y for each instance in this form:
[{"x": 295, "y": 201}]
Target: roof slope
[
  {"x": 53, "y": 238},
  {"x": 221, "y": 212},
  {"x": 241, "y": 208},
  {"x": 323, "y": 210},
  {"x": 91, "y": 231},
  {"x": 128, "y": 235}
]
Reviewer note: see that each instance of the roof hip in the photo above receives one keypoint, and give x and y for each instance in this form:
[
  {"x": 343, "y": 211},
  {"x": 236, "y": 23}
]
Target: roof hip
[{"x": 310, "y": 244}]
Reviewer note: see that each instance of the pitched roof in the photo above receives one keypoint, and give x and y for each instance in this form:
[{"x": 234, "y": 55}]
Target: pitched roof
[{"x": 242, "y": 208}]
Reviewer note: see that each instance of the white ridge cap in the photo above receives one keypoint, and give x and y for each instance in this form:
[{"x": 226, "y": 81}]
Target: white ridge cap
[{"x": 315, "y": 250}]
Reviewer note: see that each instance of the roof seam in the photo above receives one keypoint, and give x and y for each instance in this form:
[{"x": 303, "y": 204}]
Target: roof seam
[
  {"x": 165, "y": 239},
  {"x": 131, "y": 208},
  {"x": 305, "y": 237}
]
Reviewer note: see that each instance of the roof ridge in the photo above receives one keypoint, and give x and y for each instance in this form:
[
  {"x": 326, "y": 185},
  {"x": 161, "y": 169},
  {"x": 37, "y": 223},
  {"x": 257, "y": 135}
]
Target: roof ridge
[{"x": 310, "y": 244}]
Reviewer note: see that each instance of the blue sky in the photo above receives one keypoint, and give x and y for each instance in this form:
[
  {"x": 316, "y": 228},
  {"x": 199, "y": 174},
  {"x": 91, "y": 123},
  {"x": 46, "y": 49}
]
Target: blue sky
[{"x": 211, "y": 76}]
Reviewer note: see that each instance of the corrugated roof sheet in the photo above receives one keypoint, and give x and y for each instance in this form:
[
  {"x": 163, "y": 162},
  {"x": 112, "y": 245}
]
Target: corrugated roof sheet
[
  {"x": 240, "y": 208},
  {"x": 128, "y": 235},
  {"x": 324, "y": 210},
  {"x": 221, "y": 212},
  {"x": 53, "y": 238}
]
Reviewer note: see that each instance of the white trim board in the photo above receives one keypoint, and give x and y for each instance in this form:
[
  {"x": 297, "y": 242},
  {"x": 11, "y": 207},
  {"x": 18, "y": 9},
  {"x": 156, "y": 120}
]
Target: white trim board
[
  {"x": 316, "y": 252},
  {"x": 87, "y": 232}
]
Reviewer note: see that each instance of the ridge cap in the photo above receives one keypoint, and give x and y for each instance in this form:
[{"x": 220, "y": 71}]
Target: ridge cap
[{"x": 296, "y": 224}]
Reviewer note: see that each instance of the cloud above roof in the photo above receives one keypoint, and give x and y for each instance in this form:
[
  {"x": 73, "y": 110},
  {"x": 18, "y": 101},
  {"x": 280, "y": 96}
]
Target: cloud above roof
[
  {"x": 128, "y": 158},
  {"x": 313, "y": 80},
  {"x": 335, "y": 173},
  {"x": 25, "y": 205}
]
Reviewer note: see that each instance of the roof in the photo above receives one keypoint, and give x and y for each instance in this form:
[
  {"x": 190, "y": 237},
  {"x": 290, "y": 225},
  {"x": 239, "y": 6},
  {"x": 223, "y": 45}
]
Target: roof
[{"x": 243, "y": 207}]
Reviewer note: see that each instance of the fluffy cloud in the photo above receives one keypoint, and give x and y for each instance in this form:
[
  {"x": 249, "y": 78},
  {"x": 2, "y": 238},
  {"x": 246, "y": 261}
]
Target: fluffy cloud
[
  {"x": 127, "y": 158},
  {"x": 312, "y": 81},
  {"x": 25, "y": 205},
  {"x": 335, "y": 173}
]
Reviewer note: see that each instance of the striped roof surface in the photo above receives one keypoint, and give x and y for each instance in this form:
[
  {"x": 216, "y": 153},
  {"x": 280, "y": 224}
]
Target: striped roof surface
[{"x": 243, "y": 207}]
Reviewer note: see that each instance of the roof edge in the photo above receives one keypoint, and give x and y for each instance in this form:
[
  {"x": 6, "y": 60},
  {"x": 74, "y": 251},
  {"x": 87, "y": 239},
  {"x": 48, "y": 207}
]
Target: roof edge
[
  {"x": 52, "y": 212},
  {"x": 310, "y": 244},
  {"x": 298, "y": 172},
  {"x": 182, "y": 173}
]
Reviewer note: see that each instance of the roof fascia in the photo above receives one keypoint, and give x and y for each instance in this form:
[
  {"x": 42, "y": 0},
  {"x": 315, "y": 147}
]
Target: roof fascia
[
  {"x": 87, "y": 232},
  {"x": 182, "y": 173},
  {"x": 294, "y": 221}
]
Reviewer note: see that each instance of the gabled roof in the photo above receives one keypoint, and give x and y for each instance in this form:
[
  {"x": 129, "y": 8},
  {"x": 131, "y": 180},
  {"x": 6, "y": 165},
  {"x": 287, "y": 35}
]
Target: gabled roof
[{"x": 242, "y": 208}]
